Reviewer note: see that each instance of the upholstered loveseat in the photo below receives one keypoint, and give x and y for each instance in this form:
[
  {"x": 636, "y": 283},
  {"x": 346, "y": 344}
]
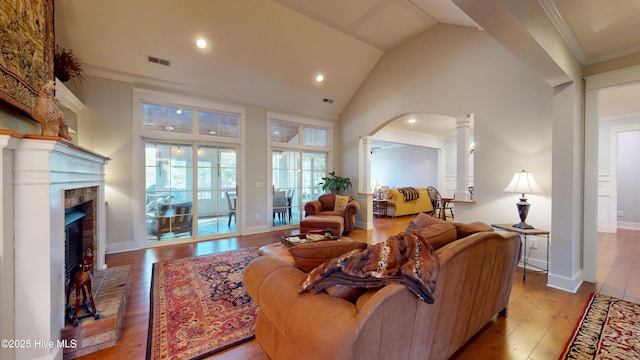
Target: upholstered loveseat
[
  {"x": 473, "y": 285},
  {"x": 398, "y": 206}
]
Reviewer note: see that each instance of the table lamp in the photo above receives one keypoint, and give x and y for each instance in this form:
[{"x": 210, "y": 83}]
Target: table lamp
[{"x": 522, "y": 183}]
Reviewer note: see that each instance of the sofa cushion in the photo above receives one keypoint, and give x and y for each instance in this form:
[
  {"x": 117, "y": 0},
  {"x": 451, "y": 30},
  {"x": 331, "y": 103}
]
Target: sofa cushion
[
  {"x": 345, "y": 292},
  {"x": 465, "y": 230},
  {"x": 439, "y": 234},
  {"x": 340, "y": 202},
  {"x": 308, "y": 256},
  {"x": 422, "y": 221}
]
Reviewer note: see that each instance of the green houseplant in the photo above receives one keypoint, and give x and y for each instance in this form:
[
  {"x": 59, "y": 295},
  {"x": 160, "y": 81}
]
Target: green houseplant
[{"x": 334, "y": 183}]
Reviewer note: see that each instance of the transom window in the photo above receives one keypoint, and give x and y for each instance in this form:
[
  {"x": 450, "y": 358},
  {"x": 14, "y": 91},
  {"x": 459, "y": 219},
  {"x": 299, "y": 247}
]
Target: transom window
[
  {"x": 182, "y": 120},
  {"x": 288, "y": 133}
]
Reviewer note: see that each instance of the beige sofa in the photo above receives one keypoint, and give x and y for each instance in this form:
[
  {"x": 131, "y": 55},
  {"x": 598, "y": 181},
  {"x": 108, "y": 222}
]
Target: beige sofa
[
  {"x": 397, "y": 206},
  {"x": 473, "y": 286}
]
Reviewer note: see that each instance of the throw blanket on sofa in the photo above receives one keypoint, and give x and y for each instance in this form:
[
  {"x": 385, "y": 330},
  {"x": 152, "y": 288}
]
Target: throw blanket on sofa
[
  {"x": 406, "y": 258},
  {"x": 409, "y": 193}
]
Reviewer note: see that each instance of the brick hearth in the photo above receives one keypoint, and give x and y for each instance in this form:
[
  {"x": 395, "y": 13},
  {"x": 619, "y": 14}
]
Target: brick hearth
[{"x": 110, "y": 290}]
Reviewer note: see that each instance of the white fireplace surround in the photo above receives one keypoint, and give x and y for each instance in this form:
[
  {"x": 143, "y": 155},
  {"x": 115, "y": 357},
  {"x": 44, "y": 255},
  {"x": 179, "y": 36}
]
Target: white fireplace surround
[{"x": 42, "y": 170}]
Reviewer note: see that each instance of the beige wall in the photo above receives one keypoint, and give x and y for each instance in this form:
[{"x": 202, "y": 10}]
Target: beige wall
[{"x": 454, "y": 70}]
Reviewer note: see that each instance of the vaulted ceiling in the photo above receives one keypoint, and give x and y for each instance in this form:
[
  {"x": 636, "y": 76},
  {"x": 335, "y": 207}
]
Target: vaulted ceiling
[{"x": 268, "y": 52}]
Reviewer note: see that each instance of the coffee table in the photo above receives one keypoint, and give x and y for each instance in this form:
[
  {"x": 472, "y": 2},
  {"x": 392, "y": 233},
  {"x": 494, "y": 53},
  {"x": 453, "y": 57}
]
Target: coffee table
[{"x": 297, "y": 239}]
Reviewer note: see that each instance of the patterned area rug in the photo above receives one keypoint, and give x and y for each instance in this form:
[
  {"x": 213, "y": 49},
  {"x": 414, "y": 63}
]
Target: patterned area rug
[
  {"x": 608, "y": 329},
  {"x": 199, "y": 306}
]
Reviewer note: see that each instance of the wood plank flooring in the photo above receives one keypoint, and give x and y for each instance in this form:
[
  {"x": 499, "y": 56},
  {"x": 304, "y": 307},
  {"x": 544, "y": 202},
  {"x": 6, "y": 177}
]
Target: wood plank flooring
[{"x": 540, "y": 318}]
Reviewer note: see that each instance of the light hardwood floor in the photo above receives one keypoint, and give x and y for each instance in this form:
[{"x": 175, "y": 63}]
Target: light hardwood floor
[{"x": 540, "y": 318}]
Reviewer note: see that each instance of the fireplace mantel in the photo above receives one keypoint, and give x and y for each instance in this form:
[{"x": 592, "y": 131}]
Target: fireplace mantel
[{"x": 44, "y": 167}]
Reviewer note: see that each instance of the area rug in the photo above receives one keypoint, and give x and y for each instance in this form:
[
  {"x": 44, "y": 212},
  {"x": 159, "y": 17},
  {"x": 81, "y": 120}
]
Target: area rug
[
  {"x": 199, "y": 306},
  {"x": 608, "y": 329}
]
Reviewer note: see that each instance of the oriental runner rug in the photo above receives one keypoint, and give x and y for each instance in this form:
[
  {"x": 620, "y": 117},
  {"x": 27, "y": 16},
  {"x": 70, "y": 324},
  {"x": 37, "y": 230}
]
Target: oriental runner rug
[
  {"x": 199, "y": 306},
  {"x": 608, "y": 329}
]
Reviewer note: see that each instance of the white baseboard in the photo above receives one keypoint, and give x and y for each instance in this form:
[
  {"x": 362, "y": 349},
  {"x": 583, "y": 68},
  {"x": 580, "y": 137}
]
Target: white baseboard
[
  {"x": 364, "y": 225},
  {"x": 563, "y": 283},
  {"x": 121, "y": 247},
  {"x": 628, "y": 225}
]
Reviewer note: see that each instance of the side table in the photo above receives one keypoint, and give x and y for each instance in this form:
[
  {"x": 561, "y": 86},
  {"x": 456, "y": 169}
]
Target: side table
[
  {"x": 524, "y": 233},
  {"x": 380, "y": 208}
]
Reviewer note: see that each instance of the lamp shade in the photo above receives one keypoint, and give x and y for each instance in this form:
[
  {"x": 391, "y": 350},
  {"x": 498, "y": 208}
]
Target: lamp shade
[{"x": 524, "y": 183}]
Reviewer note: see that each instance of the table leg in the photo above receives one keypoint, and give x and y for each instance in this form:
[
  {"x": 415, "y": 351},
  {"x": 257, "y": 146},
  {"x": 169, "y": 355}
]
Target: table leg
[{"x": 524, "y": 259}]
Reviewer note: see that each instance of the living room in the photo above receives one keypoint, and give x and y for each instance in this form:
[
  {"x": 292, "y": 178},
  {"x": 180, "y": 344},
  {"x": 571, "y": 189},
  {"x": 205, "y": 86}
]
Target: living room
[{"x": 516, "y": 75}]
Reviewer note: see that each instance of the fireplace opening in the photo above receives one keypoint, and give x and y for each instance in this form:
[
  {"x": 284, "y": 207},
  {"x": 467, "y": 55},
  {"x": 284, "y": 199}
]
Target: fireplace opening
[{"x": 73, "y": 241}]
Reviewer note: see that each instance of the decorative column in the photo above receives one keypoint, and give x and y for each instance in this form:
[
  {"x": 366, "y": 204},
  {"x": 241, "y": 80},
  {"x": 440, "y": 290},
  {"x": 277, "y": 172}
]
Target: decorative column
[
  {"x": 364, "y": 181},
  {"x": 463, "y": 125}
]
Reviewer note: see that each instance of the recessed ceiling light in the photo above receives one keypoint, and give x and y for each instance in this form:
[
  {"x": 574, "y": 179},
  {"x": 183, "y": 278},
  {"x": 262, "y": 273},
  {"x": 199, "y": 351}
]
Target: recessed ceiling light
[
  {"x": 201, "y": 43},
  {"x": 411, "y": 121},
  {"x": 319, "y": 78}
]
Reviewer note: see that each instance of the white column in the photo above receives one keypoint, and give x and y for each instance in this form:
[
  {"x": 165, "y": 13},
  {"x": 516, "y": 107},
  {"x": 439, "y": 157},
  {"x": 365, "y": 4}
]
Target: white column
[
  {"x": 442, "y": 168},
  {"x": 364, "y": 183},
  {"x": 463, "y": 125}
]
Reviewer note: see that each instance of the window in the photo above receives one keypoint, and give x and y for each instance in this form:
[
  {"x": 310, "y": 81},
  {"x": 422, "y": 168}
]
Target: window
[
  {"x": 157, "y": 117},
  {"x": 190, "y": 162},
  {"x": 218, "y": 124},
  {"x": 299, "y": 155},
  {"x": 315, "y": 136}
]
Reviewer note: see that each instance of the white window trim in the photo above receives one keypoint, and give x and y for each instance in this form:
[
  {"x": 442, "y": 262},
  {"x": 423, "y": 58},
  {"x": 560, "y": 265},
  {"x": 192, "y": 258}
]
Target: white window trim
[{"x": 140, "y": 134}]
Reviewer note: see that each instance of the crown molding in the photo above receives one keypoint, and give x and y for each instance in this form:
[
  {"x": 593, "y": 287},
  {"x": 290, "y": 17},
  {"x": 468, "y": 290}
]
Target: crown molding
[
  {"x": 200, "y": 92},
  {"x": 558, "y": 21}
]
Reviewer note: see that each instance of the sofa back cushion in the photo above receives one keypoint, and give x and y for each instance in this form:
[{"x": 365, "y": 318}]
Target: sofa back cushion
[
  {"x": 327, "y": 201},
  {"x": 308, "y": 256},
  {"x": 465, "y": 230},
  {"x": 439, "y": 235},
  {"x": 422, "y": 221}
]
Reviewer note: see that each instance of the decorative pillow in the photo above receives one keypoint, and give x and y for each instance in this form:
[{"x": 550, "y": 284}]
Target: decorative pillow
[
  {"x": 439, "y": 235},
  {"x": 465, "y": 230},
  {"x": 308, "y": 256},
  {"x": 340, "y": 203},
  {"x": 422, "y": 221}
]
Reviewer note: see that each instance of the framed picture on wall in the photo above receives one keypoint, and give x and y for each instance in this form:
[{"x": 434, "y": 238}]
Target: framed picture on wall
[{"x": 26, "y": 49}]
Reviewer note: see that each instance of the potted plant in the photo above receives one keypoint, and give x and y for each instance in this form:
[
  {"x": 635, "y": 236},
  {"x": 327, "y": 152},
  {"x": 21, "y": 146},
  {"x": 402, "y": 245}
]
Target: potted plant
[
  {"x": 335, "y": 183},
  {"x": 66, "y": 65}
]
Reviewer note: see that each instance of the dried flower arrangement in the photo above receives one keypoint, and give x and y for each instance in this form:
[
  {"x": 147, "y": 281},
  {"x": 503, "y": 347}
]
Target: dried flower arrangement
[{"x": 66, "y": 65}]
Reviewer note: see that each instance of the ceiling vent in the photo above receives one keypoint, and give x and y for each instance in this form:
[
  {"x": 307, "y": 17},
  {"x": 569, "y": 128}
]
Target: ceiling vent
[
  {"x": 155, "y": 60},
  {"x": 327, "y": 100}
]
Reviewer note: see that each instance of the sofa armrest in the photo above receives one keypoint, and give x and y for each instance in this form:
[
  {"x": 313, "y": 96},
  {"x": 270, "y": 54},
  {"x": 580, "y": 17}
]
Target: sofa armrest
[
  {"x": 316, "y": 326},
  {"x": 350, "y": 211},
  {"x": 313, "y": 207},
  {"x": 258, "y": 269}
]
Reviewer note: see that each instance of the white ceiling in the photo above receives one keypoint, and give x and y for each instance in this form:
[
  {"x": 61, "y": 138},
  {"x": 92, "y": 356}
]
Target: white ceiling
[{"x": 267, "y": 52}]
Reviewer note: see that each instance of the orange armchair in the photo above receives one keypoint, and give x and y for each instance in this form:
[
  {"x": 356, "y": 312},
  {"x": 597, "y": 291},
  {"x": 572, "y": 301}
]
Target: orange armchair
[{"x": 324, "y": 206}]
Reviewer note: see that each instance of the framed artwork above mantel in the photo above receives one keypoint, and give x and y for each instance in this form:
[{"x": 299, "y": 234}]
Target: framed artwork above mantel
[{"x": 27, "y": 50}]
